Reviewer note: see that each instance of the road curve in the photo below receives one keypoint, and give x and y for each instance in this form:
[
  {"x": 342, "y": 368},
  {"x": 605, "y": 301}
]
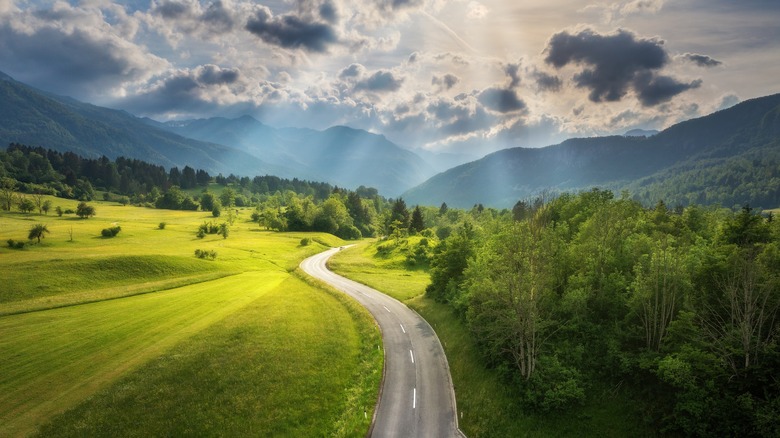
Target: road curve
[{"x": 417, "y": 398}]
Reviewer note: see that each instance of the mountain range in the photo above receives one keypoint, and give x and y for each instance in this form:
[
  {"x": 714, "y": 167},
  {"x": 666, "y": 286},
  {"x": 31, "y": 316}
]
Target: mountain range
[
  {"x": 696, "y": 154},
  {"x": 339, "y": 155},
  {"x": 731, "y": 157}
]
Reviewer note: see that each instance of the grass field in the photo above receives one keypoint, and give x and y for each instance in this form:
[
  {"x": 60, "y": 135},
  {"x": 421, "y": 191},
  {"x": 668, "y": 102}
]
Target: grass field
[
  {"x": 486, "y": 405},
  {"x": 134, "y": 336}
]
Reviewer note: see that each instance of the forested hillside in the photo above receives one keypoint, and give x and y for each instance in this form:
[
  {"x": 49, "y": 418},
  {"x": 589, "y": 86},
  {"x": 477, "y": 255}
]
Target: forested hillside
[
  {"x": 676, "y": 309},
  {"x": 683, "y": 164},
  {"x": 30, "y": 116}
]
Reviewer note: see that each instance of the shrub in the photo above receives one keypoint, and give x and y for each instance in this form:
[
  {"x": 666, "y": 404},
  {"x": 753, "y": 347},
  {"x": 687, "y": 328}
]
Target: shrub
[
  {"x": 306, "y": 241},
  {"x": 59, "y": 211},
  {"x": 85, "y": 211},
  {"x": 204, "y": 254},
  {"x": 349, "y": 232},
  {"x": 162, "y": 225},
  {"x": 69, "y": 211},
  {"x": 14, "y": 244},
  {"x": 111, "y": 232}
]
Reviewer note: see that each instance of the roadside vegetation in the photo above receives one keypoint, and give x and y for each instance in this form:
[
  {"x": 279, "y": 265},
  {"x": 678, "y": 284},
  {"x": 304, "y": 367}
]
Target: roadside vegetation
[
  {"x": 137, "y": 334},
  {"x": 590, "y": 315}
]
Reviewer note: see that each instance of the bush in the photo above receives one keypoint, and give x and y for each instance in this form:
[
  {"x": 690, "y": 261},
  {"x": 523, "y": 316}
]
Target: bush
[
  {"x": 306, "y": 241},
  {"x": 348, "y": 232},
  {"x": 204, "y": 254},
  {"x": 14, "y": 244},
  {"x": 161, "y": 225},
  {"x": 111, "y": 232}
]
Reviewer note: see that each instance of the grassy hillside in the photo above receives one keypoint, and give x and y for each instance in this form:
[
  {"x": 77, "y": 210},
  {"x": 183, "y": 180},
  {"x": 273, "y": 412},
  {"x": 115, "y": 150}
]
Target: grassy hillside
[
  {"x": 134, "y": 335},
  {"x": 487, "y": 406}
]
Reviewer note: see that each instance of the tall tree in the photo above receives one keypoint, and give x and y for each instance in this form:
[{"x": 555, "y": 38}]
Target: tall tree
[
  {"x": 37, "y": 232},
  {"x": 400, "y": 213},
  {"x": 417, "y": 224},
  {"x": 7, "y": 193}
]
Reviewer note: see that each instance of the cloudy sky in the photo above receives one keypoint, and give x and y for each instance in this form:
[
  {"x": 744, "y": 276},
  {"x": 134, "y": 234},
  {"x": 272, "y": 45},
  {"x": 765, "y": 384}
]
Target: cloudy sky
[{"x": 468, "y": 76}]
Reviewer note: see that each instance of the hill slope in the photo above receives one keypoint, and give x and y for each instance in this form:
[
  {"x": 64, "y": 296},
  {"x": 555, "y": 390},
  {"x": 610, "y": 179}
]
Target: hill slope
[
  {"x": 500, "y": 179},
  {"x": 30, "y": 116},
  {"x": 339, "y": 155}
]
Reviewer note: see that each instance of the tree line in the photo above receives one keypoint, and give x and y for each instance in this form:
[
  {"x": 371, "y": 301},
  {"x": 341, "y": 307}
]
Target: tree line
[{"x": 679, "y": 308}]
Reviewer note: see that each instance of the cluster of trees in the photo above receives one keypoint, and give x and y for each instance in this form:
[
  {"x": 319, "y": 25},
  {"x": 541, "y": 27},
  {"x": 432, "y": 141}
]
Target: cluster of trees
[
  {"x": 68, "y": 175},
  {"x": 678, "y": 307},
  {"x": 730, "y": 181}
]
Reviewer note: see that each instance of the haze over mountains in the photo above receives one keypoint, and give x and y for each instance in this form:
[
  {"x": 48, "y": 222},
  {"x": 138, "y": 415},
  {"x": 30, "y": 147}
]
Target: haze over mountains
[
  {"x": 730, "y": 157},
  {"x": 342, "y": 156}
]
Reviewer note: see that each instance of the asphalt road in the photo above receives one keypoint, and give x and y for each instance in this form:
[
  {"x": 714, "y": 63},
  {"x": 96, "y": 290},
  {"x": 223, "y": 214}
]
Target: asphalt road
[{"x": 417, "y": 399}]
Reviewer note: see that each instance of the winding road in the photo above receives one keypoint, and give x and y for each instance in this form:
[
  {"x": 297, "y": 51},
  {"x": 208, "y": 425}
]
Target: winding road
[{"x": 416, "y": 398}]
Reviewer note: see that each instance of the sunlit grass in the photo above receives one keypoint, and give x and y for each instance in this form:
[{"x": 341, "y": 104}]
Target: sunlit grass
[
  {"x": 237, "y": 379},
  {"x": 385, "y": 273},
  {"x": 134, "y": 335}
]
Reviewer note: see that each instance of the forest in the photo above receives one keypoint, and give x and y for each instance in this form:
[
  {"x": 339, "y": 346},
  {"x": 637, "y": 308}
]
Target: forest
[{"x": 676, "y": 307}]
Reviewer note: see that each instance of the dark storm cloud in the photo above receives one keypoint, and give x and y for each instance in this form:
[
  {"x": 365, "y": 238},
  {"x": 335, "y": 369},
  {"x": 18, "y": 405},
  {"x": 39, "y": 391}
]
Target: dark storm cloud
[
  {"x": 654, "y": 89},
  {"x": 328, "y": 12},
  {"x": 547, "y": 82},
  {"x": 615, "y": 64},
  {"x": 501, "y": 100},
  {"x": 513, "y": 71},
  {"x": 214, "y": 75},
  {"x": 80, "y": 62},
  {"x": 445, "y": 82},
  {"x": 187, "y": 90},
  {"x": 218, "y": 17},
  {"x": 701, "y": 60},
  {"x": 291, "y": 32},
  {"x": 173, "y": 9},
  {"x": 353, "y": 71},
  {"x": 381, "y": 81}
]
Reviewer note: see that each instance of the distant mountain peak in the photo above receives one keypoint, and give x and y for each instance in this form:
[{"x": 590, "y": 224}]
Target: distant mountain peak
[{"x": 5, "y": 77}]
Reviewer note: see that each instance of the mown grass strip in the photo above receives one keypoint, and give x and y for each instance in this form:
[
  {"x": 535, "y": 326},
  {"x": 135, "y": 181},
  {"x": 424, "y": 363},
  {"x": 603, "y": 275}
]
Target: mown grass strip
[
  {"x": 294, "y": 362},
  {"x": 93, "y": 296},
  {"x": 55, "y": 358}
]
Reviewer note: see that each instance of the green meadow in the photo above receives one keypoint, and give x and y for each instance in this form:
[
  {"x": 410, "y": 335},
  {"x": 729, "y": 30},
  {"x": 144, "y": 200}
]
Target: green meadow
[
  {"x": 135, "y": 336},
  {"x": 487, "y": 406}
]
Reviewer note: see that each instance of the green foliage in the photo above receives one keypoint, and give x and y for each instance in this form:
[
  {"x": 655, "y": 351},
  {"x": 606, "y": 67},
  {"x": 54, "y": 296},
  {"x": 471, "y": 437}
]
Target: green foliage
[
  {"x": 588, "y": 290},
  {"x": 85, "y": 211},
  {"x": 161, "y": 225},
  {"x": 306, "y": 241},
  {"x": 206, "y": 254},
  {"x": 15, "y": 244},
  {"x": 38, "y": 231},
  {"x": 26, "y": 205},
  {"x": 111, "y": 231},
  {"x": 224, "y": 230},
  {"x": 448, "y": 263},
  {"x": 416, "y": 223}
]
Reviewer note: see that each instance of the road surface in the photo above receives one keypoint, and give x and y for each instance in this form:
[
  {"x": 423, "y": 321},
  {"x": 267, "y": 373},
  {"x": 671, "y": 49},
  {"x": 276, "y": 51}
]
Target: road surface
[{"x": 416, "y": 399}]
